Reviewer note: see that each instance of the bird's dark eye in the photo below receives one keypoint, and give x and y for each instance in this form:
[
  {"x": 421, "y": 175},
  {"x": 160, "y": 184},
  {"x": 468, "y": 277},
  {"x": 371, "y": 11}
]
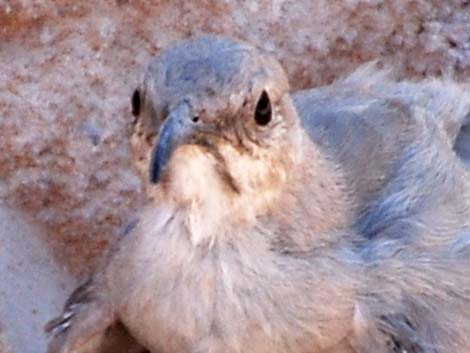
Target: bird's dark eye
[
  {"x": 263, "y": 112},
  {"x": 136, "y": 103}
]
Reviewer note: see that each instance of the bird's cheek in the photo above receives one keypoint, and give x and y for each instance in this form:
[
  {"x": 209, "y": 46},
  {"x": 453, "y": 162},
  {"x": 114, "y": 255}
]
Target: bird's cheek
[
  {"x": 258, "y": 172},
  {"x": 260, "y": 178}
]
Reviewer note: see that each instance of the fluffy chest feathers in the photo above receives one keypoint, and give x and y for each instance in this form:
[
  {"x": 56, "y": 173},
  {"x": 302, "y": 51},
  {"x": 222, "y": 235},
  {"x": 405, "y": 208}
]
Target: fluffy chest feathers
[{"x": 236, "y": 291}]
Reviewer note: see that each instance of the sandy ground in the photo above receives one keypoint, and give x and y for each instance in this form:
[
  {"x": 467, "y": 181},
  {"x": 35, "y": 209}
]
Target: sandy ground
[{"x": 32, "y": 286}]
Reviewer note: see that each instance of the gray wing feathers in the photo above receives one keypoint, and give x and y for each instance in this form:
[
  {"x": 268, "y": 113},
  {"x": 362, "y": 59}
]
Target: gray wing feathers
[{"x": 396, "y": 142}]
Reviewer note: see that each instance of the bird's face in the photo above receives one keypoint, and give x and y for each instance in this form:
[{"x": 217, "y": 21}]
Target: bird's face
[{"x": 227, "y": 132}]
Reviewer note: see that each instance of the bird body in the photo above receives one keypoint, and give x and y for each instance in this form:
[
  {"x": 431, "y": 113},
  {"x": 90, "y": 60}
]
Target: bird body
[
  {"x": 346, "y": 229},
  {"x": 210, "y": 298}
]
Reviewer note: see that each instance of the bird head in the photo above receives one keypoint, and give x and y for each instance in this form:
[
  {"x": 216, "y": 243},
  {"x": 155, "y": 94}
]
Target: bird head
[{"x": 227, "y": 133}]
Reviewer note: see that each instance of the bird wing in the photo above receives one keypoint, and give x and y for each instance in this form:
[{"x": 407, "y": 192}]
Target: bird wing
[
  {"x": 360, "y": 133},
  {"x": 462, "y": 144},
  {"x": 88, "y": 324},
  {"x": 367, "y": 121}
]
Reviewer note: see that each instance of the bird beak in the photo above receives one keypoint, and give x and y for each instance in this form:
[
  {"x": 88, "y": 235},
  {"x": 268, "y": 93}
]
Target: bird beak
[{"x": 175, "y": 130}]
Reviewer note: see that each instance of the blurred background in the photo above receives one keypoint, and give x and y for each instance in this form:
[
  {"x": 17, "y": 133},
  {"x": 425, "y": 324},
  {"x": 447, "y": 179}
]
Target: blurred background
[{"x": 70, "y": 180}]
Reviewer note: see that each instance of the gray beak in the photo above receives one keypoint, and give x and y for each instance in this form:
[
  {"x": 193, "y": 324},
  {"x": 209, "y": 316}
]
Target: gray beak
[{"x": 175, "y": 130}]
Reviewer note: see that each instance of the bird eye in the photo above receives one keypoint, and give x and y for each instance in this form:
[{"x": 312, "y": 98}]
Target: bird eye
[
  {"x": 263, "y": 112},
  {"x": 136, "y": 103}
]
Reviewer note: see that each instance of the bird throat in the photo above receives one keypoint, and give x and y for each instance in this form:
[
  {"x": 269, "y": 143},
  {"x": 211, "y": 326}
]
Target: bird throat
[
  {"x": 250, "y": 188},
  {"x": 219, "y": 192}
]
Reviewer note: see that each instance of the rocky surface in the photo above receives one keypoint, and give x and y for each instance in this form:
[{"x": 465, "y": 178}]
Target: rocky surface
[{"x": 67, "y": 70}]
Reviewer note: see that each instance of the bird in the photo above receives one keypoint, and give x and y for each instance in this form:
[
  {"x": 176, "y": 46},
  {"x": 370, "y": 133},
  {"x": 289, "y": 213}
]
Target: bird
[{"x": 333, "y": 219}]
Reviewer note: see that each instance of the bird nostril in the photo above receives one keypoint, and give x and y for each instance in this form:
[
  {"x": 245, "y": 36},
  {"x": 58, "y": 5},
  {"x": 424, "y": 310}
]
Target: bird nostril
[{"x": 195, "y": 119}]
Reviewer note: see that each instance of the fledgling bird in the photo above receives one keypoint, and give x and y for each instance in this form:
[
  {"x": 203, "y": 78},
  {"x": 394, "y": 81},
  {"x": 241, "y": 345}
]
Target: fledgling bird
[{"x": 333, "y": 220}]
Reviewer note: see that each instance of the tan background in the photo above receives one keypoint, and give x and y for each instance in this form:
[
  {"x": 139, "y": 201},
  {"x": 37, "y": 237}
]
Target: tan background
[{"x": 67, "y": 69}]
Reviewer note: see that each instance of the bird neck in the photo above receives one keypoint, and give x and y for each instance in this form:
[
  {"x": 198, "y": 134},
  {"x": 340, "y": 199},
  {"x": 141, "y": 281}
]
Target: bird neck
[
  {"x": 318, "y": 190},
  {"x": 309, "y": 204},
  {"x": 314, "y": 209}
]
